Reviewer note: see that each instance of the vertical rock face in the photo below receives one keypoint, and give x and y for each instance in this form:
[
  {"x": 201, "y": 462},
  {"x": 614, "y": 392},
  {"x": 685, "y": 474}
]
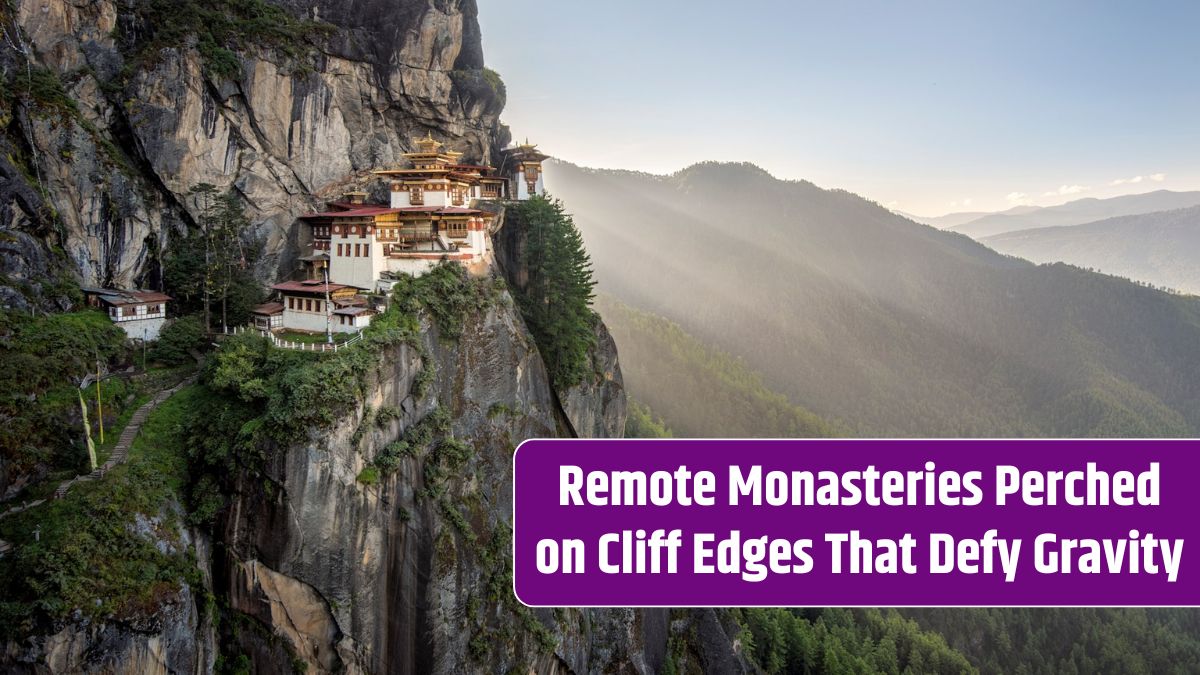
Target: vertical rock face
[
  {"x": 386, "y": 578},
  {"x": 115, "y": 166},
  {"x": 407, "y": 575}
]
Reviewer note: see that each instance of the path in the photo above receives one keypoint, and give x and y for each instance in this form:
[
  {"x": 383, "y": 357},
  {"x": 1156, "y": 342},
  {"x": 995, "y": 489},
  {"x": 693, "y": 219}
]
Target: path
[{"x": 120, "y": 451}]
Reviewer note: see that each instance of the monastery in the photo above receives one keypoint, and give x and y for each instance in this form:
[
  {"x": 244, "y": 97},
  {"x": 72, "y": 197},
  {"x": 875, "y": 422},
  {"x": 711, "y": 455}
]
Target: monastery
[{"x": 360, "y": 248}]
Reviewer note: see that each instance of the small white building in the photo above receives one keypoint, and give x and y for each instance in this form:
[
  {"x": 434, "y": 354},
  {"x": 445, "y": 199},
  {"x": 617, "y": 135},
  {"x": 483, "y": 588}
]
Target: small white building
[
  {"x": 312, "y": 306},
  {"x": 141, "y": 314},
  {"x": 268, "y": 317}
]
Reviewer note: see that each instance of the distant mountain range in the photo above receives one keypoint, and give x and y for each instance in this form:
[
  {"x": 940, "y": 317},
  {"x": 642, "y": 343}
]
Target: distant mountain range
[
  {"x": 888, "y": 326},
  {"x": 1161, "y": 248},
  {"x": 953, "y": 220},
  {"x": 1078, "y": 212}
]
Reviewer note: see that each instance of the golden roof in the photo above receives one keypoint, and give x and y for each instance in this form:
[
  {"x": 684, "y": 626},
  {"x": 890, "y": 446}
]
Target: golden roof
[{"x": 429, "y": 144}]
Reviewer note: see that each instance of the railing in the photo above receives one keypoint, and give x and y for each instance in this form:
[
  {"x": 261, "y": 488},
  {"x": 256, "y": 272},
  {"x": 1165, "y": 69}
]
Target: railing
[{"x": 296, "y": 346}]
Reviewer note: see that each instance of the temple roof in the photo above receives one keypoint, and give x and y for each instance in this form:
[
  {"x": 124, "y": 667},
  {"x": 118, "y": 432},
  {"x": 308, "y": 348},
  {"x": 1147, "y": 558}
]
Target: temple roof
[
  {"x": 268, "y": 309},
  {"x": 310, "y": 287},
  {"x": 358, "y": 211},
  {"x": 118, "y": 298}
]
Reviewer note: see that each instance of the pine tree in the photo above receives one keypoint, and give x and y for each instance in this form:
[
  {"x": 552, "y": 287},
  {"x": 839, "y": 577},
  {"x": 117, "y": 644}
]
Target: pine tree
[{"x": 556, "y": 299}]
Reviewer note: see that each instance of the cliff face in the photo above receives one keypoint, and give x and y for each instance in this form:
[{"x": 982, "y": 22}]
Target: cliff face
[
  {"x": 103, "y": 177},
  {"x": 413, "y": 574},
  {"x": 311, "y": 566}
]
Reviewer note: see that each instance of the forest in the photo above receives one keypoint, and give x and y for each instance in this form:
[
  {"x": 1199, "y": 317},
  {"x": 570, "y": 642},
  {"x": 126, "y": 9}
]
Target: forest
[{"x": 889, "y": 327}]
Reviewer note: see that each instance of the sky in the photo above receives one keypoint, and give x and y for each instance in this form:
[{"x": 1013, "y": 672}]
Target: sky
[{"x": 925, "y": 106}]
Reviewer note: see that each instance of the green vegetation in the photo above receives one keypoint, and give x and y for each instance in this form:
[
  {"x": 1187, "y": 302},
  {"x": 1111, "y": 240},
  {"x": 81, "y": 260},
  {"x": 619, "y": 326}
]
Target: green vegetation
[
  {"x": 258, "y": 399},
  {"x": 699, "y": 391},
  {"x": 838, "y": 641},
  {"x": 42, "y": 360},
  {"x": 177, "y": 341},
  {"x": 44, "y": 92},
  {"x": 221, "y": 28},
  {"x": 214, "y": 265},
  {"x": 895, "y": 328},
  {"x": 1071, "y": 641},
  {"x": 556, "y": 300},
  {"x": 448, "y": 294},
  {"x": 483, "y": 85},
  {"x": 97, "y": 550},
  {"x": 642, "y": 423}
]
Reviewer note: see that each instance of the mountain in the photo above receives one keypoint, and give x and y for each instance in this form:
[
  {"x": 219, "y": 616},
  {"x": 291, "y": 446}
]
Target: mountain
[
  {"x": 892, "y": 327},
  {"x": 1160, "y": 248},
  {"x": 1077, "y": 212},
  {"x": 663, "y": 361},
  {"x": 952, "y": 220}
]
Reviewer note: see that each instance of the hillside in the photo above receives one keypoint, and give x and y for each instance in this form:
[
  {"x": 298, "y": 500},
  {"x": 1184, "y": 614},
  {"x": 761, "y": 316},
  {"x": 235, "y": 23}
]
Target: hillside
[
  {"x": 1076, "y": 212},
  {"x": 1158, "y": 248},
  {"x": 896, "y": 328},
  {"x": 663, "y": 360}
]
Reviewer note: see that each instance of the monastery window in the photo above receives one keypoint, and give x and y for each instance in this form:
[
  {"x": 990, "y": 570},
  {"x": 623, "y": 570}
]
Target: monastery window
[
  {"x": 130, "y": 311},
  {"x": 291, "y": 303},
  {"x": 367, "y": 250},
  {"x": 308, "y": 305}
]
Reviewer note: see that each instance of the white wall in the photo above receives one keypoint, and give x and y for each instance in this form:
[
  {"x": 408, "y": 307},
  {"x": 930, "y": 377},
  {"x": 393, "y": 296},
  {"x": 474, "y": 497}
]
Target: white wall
[
  {"x": 522, "y": 187},
  {"x": 296, "y": 319},
  {"x": 148, "y": 329},
  {"x": 413, "y": 267},
  {"x": 400, "y": 199},
  {"x": 355, "y": 271}
]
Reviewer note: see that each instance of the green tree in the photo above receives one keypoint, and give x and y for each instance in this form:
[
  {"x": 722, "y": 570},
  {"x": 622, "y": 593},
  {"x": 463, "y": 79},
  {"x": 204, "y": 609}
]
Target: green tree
[
  {"x": 557, "y": 296},
  {"x": 175, "y": 344},
  {"x": 215, "y": 264}
]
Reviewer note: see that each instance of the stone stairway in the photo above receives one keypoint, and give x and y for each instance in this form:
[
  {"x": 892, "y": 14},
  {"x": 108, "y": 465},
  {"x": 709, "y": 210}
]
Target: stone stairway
[{"x": 120, "y": 451}]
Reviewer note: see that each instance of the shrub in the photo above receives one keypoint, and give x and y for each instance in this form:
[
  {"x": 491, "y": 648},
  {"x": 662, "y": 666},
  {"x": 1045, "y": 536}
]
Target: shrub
[{"x": 177, "y": 340}]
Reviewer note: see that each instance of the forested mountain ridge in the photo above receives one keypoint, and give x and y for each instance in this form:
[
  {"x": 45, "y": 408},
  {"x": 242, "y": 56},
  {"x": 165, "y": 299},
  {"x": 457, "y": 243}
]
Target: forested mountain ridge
[
  {"x": 1161, "y": 248},
  {"x": 1075, "y": 212},
  {"x": 896, "y": 328},
  {"x": 660, "y": 360}
]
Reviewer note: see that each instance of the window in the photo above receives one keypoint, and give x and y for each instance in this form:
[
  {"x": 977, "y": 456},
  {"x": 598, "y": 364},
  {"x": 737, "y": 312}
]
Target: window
[
  {"x": 291, "y": 303},
  {"x": 130, "y": 311},
  {"x": 308, "y": 305},
  {"x": 367, "y": 250}
]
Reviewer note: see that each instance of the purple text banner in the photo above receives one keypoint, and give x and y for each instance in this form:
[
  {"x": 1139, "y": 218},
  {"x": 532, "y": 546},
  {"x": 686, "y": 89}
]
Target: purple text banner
[{"x": 856, "y": 523}]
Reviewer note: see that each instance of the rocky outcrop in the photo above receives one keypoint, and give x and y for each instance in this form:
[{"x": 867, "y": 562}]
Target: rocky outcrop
[
  {"x": 177, "y": 636},
  {"x": 597, "y": 407},
  {"x": 409, "y": 576},
  {"x": 115, "y": 166}
]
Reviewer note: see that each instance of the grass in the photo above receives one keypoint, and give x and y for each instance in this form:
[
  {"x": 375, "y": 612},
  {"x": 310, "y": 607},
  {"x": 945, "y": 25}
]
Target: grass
[{"x": 92, "y": 551}]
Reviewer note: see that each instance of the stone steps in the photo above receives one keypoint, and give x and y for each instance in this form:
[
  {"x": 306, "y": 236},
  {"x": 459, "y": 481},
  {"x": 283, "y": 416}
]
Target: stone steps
[{"x": 120, "y": 451}]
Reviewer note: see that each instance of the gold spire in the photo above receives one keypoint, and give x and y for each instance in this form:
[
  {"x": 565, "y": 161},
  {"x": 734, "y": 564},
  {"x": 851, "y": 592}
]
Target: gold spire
[{"x": 428, "y": 144}]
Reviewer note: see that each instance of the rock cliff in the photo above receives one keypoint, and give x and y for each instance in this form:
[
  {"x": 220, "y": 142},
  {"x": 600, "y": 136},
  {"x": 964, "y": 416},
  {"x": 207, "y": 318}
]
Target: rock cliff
[{"x": 107, "y": 125}]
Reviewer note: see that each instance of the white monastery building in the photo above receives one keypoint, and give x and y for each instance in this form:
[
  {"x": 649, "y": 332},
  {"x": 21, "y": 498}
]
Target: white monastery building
[{"x": 431, "y": 216}]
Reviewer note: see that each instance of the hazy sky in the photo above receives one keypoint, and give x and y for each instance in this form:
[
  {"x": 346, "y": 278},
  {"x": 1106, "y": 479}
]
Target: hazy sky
[{"x": 925, "y": 106}]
